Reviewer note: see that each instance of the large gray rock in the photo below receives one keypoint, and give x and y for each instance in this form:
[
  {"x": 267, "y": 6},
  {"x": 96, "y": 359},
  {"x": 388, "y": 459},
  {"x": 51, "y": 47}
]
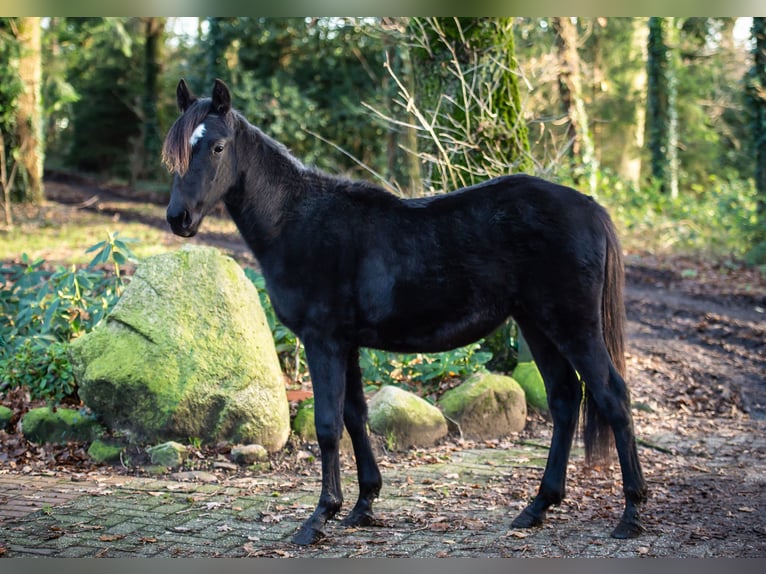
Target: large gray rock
[
  {"x": 186, "y": 353},
  {"x": 486, "y": 406},
  {"x": 404, "y": 419}
]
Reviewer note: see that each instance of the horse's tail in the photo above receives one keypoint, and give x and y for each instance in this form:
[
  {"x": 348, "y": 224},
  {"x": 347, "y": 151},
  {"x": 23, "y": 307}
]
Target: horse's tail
[{"x": 597, "y": 435}]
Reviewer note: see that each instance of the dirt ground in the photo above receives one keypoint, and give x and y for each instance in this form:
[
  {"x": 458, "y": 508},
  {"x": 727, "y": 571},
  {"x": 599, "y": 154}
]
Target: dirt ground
[{"x": 697, "y": 373}]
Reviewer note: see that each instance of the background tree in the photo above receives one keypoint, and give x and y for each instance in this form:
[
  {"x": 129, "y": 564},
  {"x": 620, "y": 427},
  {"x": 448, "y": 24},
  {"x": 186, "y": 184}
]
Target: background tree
[
  {"x": 10, "y": 88},
  {"x": 154, "y": 29},
  {"x": 756, "y": 92},
  {"x": 107, "y": 72},
  {"x": 467, "y": 95},
  {"x": 29, "y": 118},
  {"x": 582, "y": 151},
  {"x": 662, "y": 118}
]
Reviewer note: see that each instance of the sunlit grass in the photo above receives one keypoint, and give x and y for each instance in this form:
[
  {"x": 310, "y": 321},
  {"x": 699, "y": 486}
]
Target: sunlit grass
[{"x": 62, "y": 234}]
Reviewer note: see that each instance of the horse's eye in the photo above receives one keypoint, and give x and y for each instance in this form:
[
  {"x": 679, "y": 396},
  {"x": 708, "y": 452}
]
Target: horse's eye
[{"x": 218, "y": 148}]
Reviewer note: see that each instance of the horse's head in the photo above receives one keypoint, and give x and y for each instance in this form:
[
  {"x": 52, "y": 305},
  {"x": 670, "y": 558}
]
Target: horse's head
[{"x": 199, "y": 150}]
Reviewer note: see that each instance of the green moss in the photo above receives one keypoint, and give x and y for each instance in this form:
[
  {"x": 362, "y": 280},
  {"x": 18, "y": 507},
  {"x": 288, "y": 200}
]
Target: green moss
[
  {"x": 186, "y": 352},
  {"x": 486, "y": 406},
  {"x": 43, "y": 425},
  {"x": 404, "y": 419},
  {"x": 529, "y": 378},
  {"x": 169, "y": 454},
  {"x": 6, "y": 415},
  {"x": 101, "y": 451},
  {"x": 303, "y": 423}
]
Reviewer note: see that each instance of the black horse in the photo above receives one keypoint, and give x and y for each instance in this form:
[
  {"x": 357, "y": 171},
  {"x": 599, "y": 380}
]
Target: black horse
[{"x": 348, "y": 265}]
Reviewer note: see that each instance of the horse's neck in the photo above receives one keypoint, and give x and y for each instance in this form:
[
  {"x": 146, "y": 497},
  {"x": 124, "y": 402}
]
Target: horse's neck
[{"x": 267, "y": 191}]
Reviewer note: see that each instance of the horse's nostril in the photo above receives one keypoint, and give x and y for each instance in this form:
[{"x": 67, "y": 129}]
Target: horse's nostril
[{"x": 187, "y": 221}]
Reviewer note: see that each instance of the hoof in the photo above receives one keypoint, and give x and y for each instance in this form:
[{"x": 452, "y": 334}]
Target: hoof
[
  {"x": 362, "y": 518},
  {"x": 628, "y": 529},
  {"x": 308, "y": 535},
  {"x": 528, "y": 519}
]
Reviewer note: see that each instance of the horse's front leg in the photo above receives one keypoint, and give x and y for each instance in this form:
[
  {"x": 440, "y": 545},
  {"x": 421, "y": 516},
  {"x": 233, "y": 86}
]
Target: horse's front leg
[
  {"x": 355, "y": 418},
  {"x": 327, "y": 366}
]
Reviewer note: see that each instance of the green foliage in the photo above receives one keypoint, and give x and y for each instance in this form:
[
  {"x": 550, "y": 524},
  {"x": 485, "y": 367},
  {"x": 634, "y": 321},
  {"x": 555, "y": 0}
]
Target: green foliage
[
  {"x": 718, "y": 218},
  {"x": 42, "y": 310},
  {"x": 425, "y": 370},
  {"x": 44, "y": 370}
]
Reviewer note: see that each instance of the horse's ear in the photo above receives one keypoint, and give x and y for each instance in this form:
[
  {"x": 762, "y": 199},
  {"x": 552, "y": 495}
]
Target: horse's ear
[
  {"x": 221, "y": 98},
  {"x": 184, "y": 96}
]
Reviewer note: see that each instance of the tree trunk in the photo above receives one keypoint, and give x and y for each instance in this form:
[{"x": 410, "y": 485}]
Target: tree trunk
[
  {"x": 758, "y": 101},
  {"x": 29, "y": 117},
  {"x": 468, "y": 95},
  {"x": 570, "y": 87},
  {"x": 152, "y": 140},
  {"x": 662, "y": 119},
  {"x": 630, "y": 162}
]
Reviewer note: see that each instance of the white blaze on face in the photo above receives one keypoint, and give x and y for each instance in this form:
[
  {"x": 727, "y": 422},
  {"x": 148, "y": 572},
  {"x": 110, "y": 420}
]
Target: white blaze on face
[{"x": 197, "y": 134}]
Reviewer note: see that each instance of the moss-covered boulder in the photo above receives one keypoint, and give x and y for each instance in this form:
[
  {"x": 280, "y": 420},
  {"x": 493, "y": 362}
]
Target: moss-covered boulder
[
  {"x": 486, "y": 406},
  {"x": 404, "y": 419},
  {"x": 44, "y": 425},
  {"x": 186, "y": 353},
  {"x": 6, "y": 415},
  {"x": 529, "y": 378},
  {"x": 305, "y": 429}
]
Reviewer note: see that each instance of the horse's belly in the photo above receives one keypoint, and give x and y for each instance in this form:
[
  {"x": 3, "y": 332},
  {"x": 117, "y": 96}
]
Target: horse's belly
[{"x": 422, "y": 334}]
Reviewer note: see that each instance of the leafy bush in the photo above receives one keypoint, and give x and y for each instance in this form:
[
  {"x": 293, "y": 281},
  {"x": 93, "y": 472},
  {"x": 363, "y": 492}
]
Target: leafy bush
[
  {"x": 718, "y": 218},
  {"x": 42, "y": 310},
  {"x": 42, "y": 369}
]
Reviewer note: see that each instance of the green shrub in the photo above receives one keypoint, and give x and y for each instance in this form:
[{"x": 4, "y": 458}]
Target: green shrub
[
  {"x": 42, "y": 310},
  {"x": 44, "y": 369}
]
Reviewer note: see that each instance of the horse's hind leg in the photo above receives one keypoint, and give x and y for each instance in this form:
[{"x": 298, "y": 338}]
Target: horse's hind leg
[
  {"x": 355, "y": 418},
  {"x": 608, "y": 391},
  {"x": 564, "y": 396}
]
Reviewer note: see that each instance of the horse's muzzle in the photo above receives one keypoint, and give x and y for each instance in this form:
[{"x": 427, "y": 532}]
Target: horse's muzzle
[{"x": 183, "y": 223}]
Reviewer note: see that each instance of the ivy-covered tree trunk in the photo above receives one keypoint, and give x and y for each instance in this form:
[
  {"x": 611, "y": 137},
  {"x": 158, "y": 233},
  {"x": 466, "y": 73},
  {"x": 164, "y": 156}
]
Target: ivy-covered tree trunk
[
  {"x": 468, "y": 94},
  {"x": 662, "y": 117},
  {"x": 757, "y": 97},
  {"x": 582, "y": 151},
  {"x": 29, "y": 116}
]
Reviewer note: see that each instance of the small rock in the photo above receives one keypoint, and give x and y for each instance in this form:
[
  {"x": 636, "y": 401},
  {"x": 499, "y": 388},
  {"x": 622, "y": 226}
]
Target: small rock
[
  {"x": 403, "y": 419},
  {"x": 194, "y": 476},
  {"x": 101, "y": 451},
  {"x": 225, "y": 465},
  {"x": 171, "y": 454},
  {"x": 486, "y": 406},
  {"x": 249, "y": 453}
]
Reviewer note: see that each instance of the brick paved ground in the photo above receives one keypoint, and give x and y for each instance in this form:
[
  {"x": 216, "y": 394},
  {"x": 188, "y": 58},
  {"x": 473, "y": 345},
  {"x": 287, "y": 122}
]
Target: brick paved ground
[{"x": 459, "y": 507}]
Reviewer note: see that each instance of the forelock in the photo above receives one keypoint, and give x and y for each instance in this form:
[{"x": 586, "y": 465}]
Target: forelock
[{"x": 177, "y": 148}]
